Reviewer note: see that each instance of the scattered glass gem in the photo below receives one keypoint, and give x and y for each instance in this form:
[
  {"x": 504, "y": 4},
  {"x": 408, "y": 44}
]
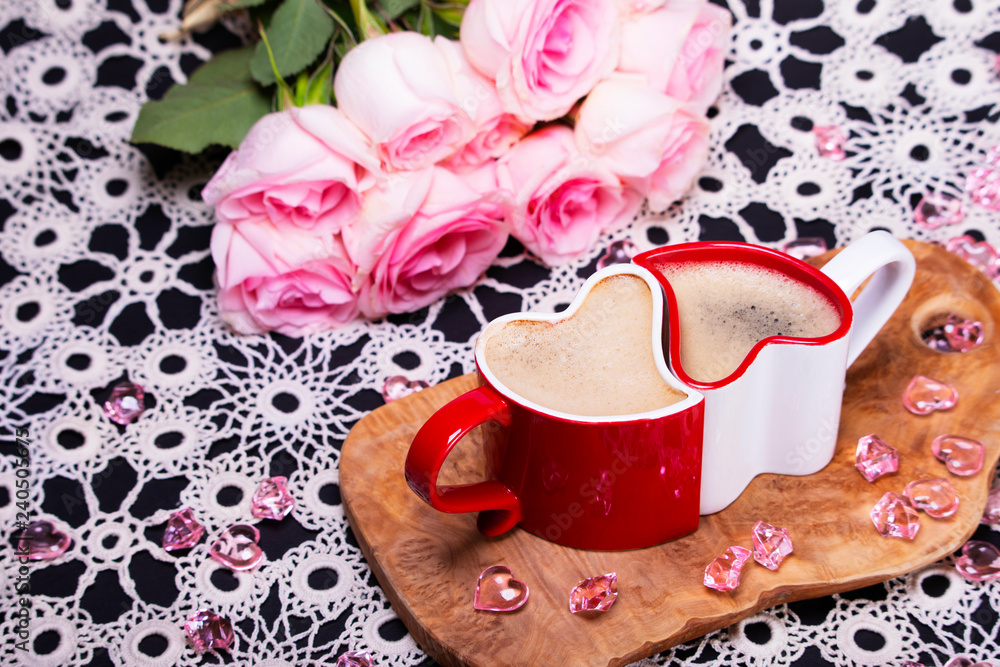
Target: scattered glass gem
[
  {"x": 910, "y": 663},
  {"x": 355, "y": 659},
  {"x": 962, "y": 661},
  {"x": 955, "y": 335},
  {"x": 619, "y": 252},
  {"x": 125, "y": 403},
  {"x": 41, "y": 540},
  {"x": 894, "y": 516},
  {"x": 770, "y": 545},
  {"x": 983, "y": 187},
  {"x": 962, "y": 456},
  {"x": 237, "y": 548},
  {"x": 875, "y": 457},
  {"x": 398, "y": 386},
  {"x": 183, "y": 531},
  {"x": 594, "y": 593},
  {"x": 935, "y": 497},
  {"x": 805, "y": 247},
  {"x": 830, "y": 141},
  {"x": 498, "y": 590},
  {"x": 993, "y": 154},
  {"x": 925, "y": 395},
  {"x": 938, "y": 209},
  {"x": 207, "y": 630},
  {"x": 980, "y": 561},
  {"x": 272, "y": 500},
  {"x": 978, "y": 253},
  {"x": 991, "y": 513},
  {"x": 723, "y": 573}
]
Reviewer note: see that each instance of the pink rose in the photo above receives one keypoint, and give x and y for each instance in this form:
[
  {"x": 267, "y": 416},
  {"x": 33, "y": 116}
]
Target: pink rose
[
  {"x": 679, "y": 49},
  {"x": 652, "y": 42},
  {"x": 633, "y": 7},
  {"x": 654, "y": 143},
  {"x": 398, "y": 89},
  {"x": 302, "y": 168},
  {"x": 284, "y": 280},
  {"x": 563, "y": 200},
  {"x": 424, "y": 234},
  {"x": 697, "y": 75},
  {"x": 543, "y": 54},
  {"x": 496, "y": 130}
]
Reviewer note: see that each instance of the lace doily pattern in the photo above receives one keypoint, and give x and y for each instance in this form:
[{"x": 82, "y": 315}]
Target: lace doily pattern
[{"x": 105, "y": 274}]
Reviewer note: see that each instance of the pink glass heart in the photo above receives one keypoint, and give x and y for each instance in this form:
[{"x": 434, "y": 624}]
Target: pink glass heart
[
  {"x": 237, "y": 548},
  {"x": 619, "y": 252},
  {"x": 980, "y": 561},
  {"x": 937, "y": 209},
  {"x": 498, "y": 590},
  {"x": 962, "y": 661},
  {"x": 125, "y": 403},
  {"x": 355, "y": 659},
  {"x": 956, "y": 334},
  {"x": 935, "y": 497},
  {"x": 893, "y": 516},
  {"x": 983, "y": 187},
  {"x": 398, "y": 386},
  {"x": 595, "y": 594},
  {"x": 830, "y": 142},
  {"x": 272, "y": 500},
  {"x": 993, "y": 154},
  {"x": 991, "y": 513},
  {"x": 207, "y": 630},
  {"x": 978, "y": 253},
  {"x": 770, "y": 545},
  {"x": 41, "y": 540},
  {"x": 874, "y": 457},
  {"x": 924, "y": 395},
  {"x": 723, "y": 573},
  {"x": 805, "y": 247},
  {"x": 910, "y": 663},
  {"x": 962, "y": 456},
  {"x": 183, "y": 531}
]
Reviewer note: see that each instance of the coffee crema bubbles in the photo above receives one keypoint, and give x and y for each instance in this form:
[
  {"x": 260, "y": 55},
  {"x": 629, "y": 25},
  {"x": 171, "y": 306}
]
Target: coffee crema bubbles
[{"x": 597, "y": 362}]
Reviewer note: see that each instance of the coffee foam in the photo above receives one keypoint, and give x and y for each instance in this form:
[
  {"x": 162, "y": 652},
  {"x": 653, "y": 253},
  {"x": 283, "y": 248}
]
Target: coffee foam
[
  {"x": 598, "y": 362},
  {"x": 725, "y": 308}
]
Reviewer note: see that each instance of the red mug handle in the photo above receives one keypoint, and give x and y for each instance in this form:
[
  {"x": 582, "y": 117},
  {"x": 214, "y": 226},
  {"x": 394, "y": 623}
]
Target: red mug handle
[{"x": 500, "y": 509}]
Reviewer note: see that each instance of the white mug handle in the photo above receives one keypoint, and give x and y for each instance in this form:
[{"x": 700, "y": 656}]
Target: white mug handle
[{"x": 891, "y": 266}]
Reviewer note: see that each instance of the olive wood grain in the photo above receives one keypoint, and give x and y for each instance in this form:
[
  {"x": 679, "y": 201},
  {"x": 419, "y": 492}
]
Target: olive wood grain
[{"x": 428, "y": 562}]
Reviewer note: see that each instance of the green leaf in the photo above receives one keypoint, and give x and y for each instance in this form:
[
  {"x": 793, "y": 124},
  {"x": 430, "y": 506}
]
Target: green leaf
[
  {"x": 450, "y": 14},
  {"x": 226, "y": 67},
  {"x": 299, "y": 32},
  {"x": 240, "y": 4},
  {"x": 396, "y": 8},
  {"x": 218, "y": 105}
]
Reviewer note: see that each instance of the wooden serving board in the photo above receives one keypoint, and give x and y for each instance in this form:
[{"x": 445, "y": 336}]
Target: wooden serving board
[{"x": 428, "y": 562}]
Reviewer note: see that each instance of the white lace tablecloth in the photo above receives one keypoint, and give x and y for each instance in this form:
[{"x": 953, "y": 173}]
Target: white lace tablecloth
[{"x": 105, "y": 274}]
